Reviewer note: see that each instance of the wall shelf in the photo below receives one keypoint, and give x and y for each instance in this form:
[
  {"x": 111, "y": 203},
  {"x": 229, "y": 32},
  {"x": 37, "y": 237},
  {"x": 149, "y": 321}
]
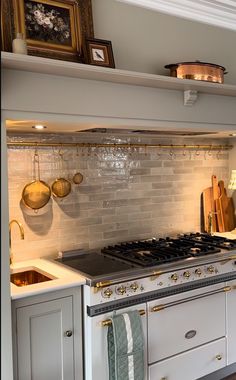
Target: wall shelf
[{"x": 82, "y": 71}]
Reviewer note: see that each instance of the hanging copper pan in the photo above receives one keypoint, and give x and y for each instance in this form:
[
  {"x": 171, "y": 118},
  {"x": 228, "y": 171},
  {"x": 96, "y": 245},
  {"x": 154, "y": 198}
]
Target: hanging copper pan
[{"x": 197, "y": 70}]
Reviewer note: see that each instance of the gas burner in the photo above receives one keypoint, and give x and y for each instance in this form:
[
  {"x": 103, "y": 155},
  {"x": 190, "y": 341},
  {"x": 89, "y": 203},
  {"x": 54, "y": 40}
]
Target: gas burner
[
  {"x": 144, "y": 253},
  {"x": 195, "y": 250},
  {"x": 226, "y": 243},
  {"x": 216, "y": 241},
  {"x": 147, "y": 253}
]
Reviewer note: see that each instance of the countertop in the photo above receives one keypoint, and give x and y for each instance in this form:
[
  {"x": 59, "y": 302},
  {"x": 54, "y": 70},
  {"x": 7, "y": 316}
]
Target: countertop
[{"x": 61, "y": 278}]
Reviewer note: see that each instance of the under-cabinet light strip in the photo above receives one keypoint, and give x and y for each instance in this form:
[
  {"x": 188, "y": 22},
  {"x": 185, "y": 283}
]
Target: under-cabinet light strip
[{"x": 95, "y": 145}]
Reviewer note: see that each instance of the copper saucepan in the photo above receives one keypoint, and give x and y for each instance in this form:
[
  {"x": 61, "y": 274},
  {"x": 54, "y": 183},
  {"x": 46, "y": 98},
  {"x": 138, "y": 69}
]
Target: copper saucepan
[{"x": 198, "y": 71}]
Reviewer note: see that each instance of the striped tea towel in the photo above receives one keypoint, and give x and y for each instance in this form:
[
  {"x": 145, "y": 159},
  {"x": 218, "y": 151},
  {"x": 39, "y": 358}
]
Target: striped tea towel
[{"x": 126, "y": 347}]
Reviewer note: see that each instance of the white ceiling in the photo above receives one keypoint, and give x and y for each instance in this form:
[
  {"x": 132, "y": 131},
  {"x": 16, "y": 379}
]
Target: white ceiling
[{"x": 220, "y": 13}]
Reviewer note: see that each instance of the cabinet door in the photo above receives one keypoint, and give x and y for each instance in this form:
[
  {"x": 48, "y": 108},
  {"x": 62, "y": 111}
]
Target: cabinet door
[
  {"x": 231, "y": 323},
  {"x": 44, "y": 350}
]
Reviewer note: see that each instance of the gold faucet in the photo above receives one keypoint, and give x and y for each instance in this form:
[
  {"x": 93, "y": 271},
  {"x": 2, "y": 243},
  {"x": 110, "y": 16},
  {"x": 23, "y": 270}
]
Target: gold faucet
[{"x": 22, "y": 234}]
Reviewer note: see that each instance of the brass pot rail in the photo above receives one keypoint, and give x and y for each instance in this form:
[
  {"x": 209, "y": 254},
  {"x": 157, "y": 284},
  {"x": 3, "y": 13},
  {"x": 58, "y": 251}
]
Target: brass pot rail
[
  {"x": 108, "y": 322},
  {"x": 185, "y": 300},
  {"x": 208, "y": 147}
]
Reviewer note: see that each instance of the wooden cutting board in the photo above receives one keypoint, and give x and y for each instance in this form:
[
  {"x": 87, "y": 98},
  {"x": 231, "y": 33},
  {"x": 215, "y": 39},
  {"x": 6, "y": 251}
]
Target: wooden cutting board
[
  {"x": 207, "y": 196},
  {"x": 225, "y": 210}
]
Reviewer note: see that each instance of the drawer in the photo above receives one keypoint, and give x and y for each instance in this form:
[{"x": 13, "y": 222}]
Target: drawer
[
  {"x": 191, "y": 365},
  {"x": 189, "y": 320}
]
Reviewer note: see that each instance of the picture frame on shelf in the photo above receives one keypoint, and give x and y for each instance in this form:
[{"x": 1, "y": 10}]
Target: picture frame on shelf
[
  {"x": 53, "y": 28},
  {"x": 99, "y": 52}
]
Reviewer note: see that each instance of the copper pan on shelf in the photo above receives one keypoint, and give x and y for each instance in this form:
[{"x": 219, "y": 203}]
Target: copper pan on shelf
[{"x": 197, "y": 70}]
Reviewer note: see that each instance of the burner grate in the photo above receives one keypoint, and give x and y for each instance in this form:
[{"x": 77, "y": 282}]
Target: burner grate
[{"x": 161, "y": 251}]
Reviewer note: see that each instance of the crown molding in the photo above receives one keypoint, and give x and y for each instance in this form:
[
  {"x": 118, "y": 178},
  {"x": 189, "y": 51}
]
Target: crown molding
[{"x": 221, "y": 13}]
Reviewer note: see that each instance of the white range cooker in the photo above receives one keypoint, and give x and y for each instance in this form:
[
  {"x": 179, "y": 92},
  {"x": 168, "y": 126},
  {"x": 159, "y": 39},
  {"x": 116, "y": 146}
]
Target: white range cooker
[{"x": 185, "y": 291}]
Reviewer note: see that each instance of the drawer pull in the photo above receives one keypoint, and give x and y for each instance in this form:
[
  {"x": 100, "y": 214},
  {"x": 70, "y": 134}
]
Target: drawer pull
[
  {"x": 190, "y": 334},
  {"x": 108, "y": 322},
  {"x": 218, "y": 357},
  {"x": 68, "y": 333}
]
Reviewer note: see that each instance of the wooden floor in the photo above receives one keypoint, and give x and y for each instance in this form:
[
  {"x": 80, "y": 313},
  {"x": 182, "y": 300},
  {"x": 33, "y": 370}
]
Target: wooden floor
[{"x": 231, "y": 377}]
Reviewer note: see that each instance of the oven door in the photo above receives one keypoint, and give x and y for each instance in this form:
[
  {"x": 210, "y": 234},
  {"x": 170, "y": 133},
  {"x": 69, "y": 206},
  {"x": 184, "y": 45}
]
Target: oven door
[
  {"x": 181, "y": 322},
  {"x": 95, "y": 341},
  {"x": 231, "y": 322}
]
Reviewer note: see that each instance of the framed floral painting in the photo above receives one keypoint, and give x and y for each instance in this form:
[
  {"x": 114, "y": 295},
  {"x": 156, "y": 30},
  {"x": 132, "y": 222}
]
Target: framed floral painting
[{"x": 54, "y": 29}]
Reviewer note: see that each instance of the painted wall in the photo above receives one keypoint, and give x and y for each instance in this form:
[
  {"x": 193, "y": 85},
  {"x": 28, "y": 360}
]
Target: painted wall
[
  {"x": 126, "y": 194},
  {"x": 145, "y": 41},
  {"x": 6, "y": 347}
]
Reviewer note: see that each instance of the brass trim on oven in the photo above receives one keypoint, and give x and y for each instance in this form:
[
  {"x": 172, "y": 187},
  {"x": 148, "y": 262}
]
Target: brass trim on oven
[
  {"x": 223, "y": 262},
  {"x": 227, "y": 288},
  {"x": 185, "y": 300},
  {"x": 158, "y": 308},
  {"x": 108, "y": 322},
  {"x": 100, "y": 285},
  {"x": 155, "y": 275}
]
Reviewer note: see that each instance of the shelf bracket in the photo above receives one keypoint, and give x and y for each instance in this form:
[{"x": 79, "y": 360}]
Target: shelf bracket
[{"x": 190, "y": 97}]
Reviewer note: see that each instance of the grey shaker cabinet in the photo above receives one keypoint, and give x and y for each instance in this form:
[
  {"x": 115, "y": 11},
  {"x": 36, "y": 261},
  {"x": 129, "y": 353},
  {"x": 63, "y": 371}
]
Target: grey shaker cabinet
[{"x": 47, "y": 336}]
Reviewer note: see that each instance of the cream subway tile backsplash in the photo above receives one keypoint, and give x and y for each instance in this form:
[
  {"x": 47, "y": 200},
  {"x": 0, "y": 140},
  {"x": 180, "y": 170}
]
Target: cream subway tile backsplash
[{"x": 125, "y": 194}]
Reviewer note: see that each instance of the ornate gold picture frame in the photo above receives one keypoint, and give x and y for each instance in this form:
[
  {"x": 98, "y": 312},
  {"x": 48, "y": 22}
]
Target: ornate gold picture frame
[{"x": 54, "y": 28}]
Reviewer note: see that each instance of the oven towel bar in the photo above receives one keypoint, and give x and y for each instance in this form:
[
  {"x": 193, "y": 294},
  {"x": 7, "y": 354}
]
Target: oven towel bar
[{"x": 126, "y": 347}]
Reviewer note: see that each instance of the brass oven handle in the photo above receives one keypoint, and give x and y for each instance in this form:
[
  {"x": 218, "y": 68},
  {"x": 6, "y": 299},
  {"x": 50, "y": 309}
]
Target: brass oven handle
[
  {"x": 108, "y": 322},
  {"x": 175, "y": 303}
]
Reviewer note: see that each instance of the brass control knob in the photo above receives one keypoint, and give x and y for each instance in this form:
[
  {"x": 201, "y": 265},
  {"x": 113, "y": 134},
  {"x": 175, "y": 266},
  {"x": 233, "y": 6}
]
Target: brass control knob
[
  {"x": 174, "y": 277},
  {"x": 186, "y": 274},
  {"x": 211, "y": 269},
  {"x": 198, "y": 272},
  {"x": 134, "y": 286},
  {"x": 121, "y": 290},
  {"x": 108, "y": 292}
]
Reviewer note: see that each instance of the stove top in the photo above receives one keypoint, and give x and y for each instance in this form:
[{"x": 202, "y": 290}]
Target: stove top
[
  {"x": 128, "y": 258},
  {"x": 153, "y": 252},
  {"x": 95, "y": 264}
]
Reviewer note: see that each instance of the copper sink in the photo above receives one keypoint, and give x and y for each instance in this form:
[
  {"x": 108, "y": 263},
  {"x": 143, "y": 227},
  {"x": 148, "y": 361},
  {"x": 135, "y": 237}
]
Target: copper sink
[{"x": 28, "y": 277}]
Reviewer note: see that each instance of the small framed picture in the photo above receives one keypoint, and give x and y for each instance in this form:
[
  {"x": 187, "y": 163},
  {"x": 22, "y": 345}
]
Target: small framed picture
[{"x": 99, "y": 52}]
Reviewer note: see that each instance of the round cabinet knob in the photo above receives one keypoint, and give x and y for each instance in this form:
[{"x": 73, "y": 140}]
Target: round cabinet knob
[
  {"x": 108, "y": 292},
  {"x": 218, "y": 357},
  {"x": 134, "y": 286},
  {"x": 198, "y": 272},
  {"x": 211, "y": 269},
  {"x": 121, "y": 290},
  {"x": 174, "y": 277},
  {"x": 68, "y": 333},
  {"x": 186, "y": 274}
]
